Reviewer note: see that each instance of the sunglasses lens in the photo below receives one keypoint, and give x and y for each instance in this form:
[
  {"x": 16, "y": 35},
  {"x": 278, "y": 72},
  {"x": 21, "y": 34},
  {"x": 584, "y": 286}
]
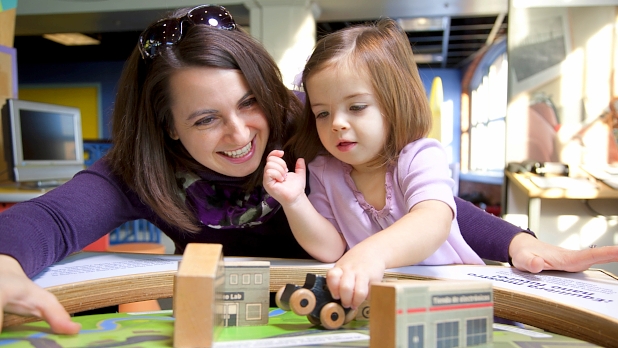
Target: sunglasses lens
[
  {"x": 214, "y": 16},
  {"x": 163, "y": 33},
  {"x": 168, "y": 32}
]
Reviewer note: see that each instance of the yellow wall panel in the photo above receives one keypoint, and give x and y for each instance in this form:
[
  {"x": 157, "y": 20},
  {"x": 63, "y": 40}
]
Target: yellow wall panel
[
  {"x": 85, "y": 98},
  {"x": 7, "y": 27}
]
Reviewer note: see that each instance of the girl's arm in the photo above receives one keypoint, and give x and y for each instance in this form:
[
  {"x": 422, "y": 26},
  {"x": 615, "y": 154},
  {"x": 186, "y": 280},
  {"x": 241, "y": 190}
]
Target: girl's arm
[
  {"x": 395, "y": 246},
  {"x": 312, "y": 231},
  {"x": 422, "y": 179}
]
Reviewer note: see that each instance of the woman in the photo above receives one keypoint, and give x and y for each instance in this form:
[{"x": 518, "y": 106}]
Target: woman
[{"x": 200, "y": 104}]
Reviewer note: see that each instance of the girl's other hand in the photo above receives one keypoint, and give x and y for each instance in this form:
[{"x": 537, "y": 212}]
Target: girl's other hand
[{"x": 20, "y": 295}]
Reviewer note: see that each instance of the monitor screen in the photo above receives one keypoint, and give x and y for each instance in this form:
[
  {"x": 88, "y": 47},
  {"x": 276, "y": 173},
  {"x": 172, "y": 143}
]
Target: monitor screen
[
  {"x": 47, "y": 136},
  {"x": 43, "y": 142}
]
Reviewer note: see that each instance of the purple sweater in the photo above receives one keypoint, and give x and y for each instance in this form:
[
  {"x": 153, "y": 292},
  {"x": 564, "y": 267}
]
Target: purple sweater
[{"x": 46, "y": 229}]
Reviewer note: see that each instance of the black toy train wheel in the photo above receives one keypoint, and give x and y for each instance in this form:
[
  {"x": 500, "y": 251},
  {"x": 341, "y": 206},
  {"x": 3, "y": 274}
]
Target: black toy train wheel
[
  {"x": 332, "y": 316},
  {"x": 302, "y": 301},
  {"x": 313, "y": 320},
  {"x": 349, "y": 316},
  {"x": 280, "y": 304}
]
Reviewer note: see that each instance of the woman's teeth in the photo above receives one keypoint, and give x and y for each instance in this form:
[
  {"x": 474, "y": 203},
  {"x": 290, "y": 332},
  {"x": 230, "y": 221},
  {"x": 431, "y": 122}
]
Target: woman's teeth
[{"x": 240, "y": 152}]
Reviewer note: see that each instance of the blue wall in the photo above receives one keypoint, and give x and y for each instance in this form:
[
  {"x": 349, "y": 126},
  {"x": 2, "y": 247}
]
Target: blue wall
[
  {"x": 106, "y": 75},
  {"x": 103, "y": 74}
]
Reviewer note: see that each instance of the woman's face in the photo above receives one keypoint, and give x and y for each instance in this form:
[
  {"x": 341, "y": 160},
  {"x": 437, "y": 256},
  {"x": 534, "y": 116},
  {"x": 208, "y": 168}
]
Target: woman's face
[{"x": 218, "y": 120}]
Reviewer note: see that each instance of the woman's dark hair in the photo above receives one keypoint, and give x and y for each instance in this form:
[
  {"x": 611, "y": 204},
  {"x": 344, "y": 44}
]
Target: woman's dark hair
[{"x": 145, "y": 156}]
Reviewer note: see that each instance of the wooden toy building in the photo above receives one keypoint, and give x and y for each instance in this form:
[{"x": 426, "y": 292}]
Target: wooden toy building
[
  {"x": 417, "y": 314},
  {"x": 246, "y": 296}
]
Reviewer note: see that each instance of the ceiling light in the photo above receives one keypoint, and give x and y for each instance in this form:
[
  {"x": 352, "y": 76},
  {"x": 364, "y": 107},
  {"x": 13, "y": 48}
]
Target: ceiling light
[
  {"x": 427, "y": 58},
  {"x": 422, "y": 23},
  {"x": 72, "y": 39}
]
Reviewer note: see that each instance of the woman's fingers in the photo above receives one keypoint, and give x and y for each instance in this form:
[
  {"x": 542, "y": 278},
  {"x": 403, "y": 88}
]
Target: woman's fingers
[
  {"x": 20, "y": 295},
  {"x": 55, "y": 315}
]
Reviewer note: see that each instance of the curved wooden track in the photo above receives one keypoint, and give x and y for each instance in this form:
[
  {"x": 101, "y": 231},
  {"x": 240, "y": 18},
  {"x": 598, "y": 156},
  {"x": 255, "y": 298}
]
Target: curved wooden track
[{"x": 541, "y": 312}]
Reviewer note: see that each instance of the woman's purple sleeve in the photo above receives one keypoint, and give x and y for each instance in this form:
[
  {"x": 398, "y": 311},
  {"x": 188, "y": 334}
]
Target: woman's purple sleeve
[
  {"x": 48, "y": 228},
  {"x": 487, "y": 234}
]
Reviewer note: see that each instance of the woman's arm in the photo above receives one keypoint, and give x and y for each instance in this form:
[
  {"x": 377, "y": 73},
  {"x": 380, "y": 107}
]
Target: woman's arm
[
  {"x": 489, "y": 235},
  {"x": 44, "y": 230},
  {"x": 496, "y": 239},
  {"x": 36, "y": 233}
]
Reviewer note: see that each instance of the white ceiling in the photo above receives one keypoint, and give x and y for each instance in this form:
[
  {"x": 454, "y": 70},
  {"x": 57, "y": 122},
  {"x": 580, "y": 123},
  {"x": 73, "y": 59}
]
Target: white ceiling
[
  {"x": 42, "y": 16},
  {"x": 470, "y": 24}
]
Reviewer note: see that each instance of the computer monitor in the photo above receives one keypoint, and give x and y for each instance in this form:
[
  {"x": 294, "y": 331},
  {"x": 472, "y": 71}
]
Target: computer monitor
[{"x": 42, "y": 142}]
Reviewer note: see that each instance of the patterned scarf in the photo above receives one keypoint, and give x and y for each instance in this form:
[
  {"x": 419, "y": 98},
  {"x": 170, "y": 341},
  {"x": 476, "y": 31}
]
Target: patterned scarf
[{"x": 221, "y": 202}]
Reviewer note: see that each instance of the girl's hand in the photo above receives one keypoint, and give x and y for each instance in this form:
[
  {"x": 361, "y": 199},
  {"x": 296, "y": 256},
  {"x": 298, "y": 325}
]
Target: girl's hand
[
  {"x": 19, "y": 295},
  {"x": 351, "y": 277},
  {"x": 286, "y": 187},
  {"x": 532, "y": 255}
]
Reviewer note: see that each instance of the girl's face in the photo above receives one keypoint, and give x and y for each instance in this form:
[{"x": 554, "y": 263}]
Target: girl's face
[
  {"x": 218, "y": 120},
  {"x": 347, "y": 115}
]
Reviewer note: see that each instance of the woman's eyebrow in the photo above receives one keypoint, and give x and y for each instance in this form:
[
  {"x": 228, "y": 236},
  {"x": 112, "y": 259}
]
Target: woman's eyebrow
[
  {"x": 245, "y": 96},
  {"x": 213, "y": 111},
  {"x": 200, "y": 112}
]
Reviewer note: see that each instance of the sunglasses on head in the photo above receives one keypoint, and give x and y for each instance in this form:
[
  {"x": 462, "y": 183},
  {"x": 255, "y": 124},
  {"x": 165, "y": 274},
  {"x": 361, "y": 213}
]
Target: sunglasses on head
[{"x": 169, "y": 31}]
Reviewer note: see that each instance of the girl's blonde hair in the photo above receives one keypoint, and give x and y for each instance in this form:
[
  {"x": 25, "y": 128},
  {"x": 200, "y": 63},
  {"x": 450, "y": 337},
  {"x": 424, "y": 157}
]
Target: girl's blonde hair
[{"x": 381, "y": 51}]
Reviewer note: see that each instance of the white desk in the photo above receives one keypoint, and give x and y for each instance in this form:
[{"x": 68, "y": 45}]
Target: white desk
[
  {"x": 10, "y": 193},
  {"x": 535, "y": 194}
]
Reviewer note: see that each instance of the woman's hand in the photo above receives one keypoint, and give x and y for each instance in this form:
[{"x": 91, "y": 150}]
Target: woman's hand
[
  {"x": 532, "y": 255},
  {"x": 351, "y": 277},
  {"x": 19, "y": 295}
]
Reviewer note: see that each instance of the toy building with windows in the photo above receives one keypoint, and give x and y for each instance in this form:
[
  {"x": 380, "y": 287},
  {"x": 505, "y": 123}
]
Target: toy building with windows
[
  {"x": 431, "y": 313},
  {"x": 247, "y": 293}
]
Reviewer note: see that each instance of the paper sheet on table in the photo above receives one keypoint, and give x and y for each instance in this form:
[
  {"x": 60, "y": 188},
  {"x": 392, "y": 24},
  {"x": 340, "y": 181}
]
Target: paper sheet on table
[
  {"x": 91, "y": 265},
  {"x": 597, "y": 293}
]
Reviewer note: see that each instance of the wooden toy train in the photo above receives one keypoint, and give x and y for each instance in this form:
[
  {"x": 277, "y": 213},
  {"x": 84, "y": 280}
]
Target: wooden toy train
[{"x": 314, "y": 300}]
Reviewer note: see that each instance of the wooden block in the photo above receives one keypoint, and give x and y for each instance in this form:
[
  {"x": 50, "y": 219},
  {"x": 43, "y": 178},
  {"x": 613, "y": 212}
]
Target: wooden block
[
  {"x": 247, "y": 293},
  {"x": 198, "y": 289},
  {"x": 431, "y": 313}
]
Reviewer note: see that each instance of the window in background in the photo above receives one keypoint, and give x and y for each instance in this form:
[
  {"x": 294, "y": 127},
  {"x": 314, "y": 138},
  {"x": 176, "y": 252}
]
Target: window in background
[{"x": 483, "y": 125}]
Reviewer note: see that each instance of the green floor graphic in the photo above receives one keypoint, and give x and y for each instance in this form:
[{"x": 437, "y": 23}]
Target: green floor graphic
[{"x": 156, "y": 329}]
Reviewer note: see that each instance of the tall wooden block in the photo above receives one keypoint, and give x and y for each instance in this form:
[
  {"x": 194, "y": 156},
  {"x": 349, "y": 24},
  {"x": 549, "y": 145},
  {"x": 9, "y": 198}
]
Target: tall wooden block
[
  {"x": 431, "y": 313},
  {"x": 198, "y": 291}
]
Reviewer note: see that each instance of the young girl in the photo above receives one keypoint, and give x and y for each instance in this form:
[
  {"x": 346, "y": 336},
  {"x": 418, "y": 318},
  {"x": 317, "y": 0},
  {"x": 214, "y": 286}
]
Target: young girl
[{"x": 378, "y": 188}]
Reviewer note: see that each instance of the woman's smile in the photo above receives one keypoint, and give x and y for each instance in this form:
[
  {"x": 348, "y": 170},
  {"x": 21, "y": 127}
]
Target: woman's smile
[{"x": 241, "y": 155}]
